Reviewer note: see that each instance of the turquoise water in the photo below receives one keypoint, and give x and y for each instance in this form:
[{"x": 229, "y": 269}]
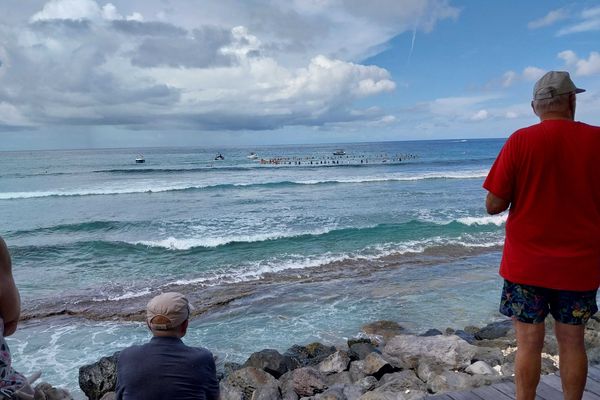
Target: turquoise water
[{"x": 305, "y": 251}]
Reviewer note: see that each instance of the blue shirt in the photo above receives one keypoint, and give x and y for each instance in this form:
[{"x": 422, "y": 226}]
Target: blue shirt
[{"x": 166, "y": 369}]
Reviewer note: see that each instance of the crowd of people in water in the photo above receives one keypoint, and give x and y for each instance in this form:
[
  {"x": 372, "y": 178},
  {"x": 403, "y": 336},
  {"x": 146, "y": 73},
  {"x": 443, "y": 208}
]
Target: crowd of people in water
[{"x": 340, "y": 160}]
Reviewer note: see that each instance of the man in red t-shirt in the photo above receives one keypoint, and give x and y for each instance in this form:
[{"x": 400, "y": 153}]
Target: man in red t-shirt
[{"x": 548, "y": 175}]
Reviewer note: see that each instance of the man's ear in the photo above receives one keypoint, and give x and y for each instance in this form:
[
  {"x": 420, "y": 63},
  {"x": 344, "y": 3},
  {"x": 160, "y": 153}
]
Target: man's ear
[
  {"x": 533, "y": 108},
  {"x": 183, "y": 327}
]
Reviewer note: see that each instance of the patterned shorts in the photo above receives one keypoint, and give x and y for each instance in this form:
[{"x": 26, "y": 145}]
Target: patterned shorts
[{"x": 531, "y": 304}]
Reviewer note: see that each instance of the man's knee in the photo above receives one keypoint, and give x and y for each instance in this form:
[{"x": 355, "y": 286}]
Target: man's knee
[
  {"x": 529, "y": 336},
  {"x": 570, "y": 336}
]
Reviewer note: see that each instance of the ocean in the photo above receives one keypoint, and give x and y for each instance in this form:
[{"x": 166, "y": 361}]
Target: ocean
[{"x": 304, "y": 246}]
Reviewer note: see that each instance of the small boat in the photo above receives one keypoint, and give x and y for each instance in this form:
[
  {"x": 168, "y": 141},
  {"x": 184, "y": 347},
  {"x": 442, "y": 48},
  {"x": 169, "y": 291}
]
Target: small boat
[
  {"x": 219, "y": 157},
  {"x": 252, "y": 156},
  {"x": 140, "y": 159},
  {"x": 339, "y": 152}
]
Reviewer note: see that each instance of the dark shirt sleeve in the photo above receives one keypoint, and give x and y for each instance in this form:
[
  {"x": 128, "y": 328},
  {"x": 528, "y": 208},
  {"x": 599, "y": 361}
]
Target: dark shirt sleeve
[
  {"x": 501, "y": 178},
  {"x": 212, "y": 383}
]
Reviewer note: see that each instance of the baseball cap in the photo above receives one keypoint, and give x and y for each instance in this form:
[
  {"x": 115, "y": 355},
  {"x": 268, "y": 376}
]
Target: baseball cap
[
  {"x": 173, "y": 307},
  {"x": 554, "y": 83}
]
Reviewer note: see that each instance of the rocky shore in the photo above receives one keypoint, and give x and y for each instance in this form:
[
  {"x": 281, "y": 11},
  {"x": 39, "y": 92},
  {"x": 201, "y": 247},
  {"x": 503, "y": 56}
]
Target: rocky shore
[{"x": 383, "y": 362}]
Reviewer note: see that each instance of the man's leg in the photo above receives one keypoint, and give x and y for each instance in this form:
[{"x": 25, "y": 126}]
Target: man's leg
[
  {"x": 528, "y": 362},
  {"x": 573, "y": 359}
]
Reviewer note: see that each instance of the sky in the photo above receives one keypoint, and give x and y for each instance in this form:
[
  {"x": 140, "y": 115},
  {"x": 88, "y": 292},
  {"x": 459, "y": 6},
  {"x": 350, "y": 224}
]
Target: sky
[{"x": 140, "y": 73}]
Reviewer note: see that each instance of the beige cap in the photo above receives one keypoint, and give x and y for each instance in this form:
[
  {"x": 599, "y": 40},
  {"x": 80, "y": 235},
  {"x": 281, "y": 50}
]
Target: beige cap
[
  {"x": 554, "y": 83},
  {"x": 172, "y": 306}
]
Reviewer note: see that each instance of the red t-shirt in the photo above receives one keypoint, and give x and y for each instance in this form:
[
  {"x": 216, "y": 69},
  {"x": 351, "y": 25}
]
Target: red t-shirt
[{"x": 550, "y": 173}]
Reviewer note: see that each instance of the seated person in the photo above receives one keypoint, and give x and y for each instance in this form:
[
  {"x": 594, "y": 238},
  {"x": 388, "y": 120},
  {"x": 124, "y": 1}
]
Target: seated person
[
  {"x": 165, "y": 368},
  {"x": 12, "y": 383}
]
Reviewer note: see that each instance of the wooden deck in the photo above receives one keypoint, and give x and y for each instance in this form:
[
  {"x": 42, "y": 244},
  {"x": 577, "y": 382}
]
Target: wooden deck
[{"x": 548, "y": 389}]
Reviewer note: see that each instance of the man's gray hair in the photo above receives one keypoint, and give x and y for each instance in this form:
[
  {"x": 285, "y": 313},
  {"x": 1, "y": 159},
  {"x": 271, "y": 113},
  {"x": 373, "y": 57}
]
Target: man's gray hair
[{"x": 558, "y": 103}]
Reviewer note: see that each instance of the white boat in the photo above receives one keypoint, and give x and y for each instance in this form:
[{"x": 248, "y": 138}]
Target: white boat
[
  {"x": 339, "y": 152},
  {"x": 140, "y": 159},
  {"x": 252, "y": 156}
]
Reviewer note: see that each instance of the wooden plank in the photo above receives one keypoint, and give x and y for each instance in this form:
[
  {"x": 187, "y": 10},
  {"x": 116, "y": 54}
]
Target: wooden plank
[
  {"x": 464, "y": 396},
  {"x": 490, "y": 392},
  {"x": 547, "y": 392},
  {"x": 439, "y": 397},
  {"x": 506, "y": 388},
  {"x": 593, "y": 386},
  {"x": 594, "y": 372}
]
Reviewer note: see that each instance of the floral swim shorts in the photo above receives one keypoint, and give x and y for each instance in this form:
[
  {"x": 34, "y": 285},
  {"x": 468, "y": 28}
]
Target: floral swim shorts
[{"x": 531, "y": 304}]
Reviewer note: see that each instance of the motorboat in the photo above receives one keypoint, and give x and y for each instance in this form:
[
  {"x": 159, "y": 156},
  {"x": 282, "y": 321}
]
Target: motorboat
[
  {"x": 339, "y": 152},
  {"x": 219, "y": 157},
  {"x": 140, "y": 159},
  {"x": 252, "y": 156}
]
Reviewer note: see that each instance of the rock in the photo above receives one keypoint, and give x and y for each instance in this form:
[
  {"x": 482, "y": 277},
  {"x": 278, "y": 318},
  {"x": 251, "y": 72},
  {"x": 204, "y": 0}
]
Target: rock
[
  {"x": 109, "y": 396},
  {"x": 271, "y": 361},
  {"x": 385, "y": 329},
  {"x": 432, "y": 332},
  {"x": 356, "y": 370},
  {"x": 356, "y": 340},
  {"x": 45, "y": 391},
  {"x": 449, "y": 381},
  {"x": 367, "y": 383},
  {"x": 228, "y": 368},
  {"x": 480, "y": 368},
  {"x": 427, "y": 369},
  {"x": 374, "y": 364},
  {"x": 340, "y": 378},
  {"x": 381, "y": 396},
  {"x": 408, "y": 350},
  {"x": 353, "y": 392},
  {"x": 305, "y": 381},
  {"x": 467, "y": 337},
  {"x": 401, "y": 382},
  {"x": 99, "y": 378},
  {"x": 311, "y": 354},
  {"x": 250, "y": 383},
  {"x": 495, "y": 330},
  {"x": 336, "y": 393},
  {"x": 359, "y": 351},
  {"x": 337, "y": 362},
  {"x": 490, "y": 355}
]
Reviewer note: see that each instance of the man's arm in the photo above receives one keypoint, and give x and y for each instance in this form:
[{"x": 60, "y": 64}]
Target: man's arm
[
  {"x": 10, "y": 302},
  {"x": 495, "y": 204}
]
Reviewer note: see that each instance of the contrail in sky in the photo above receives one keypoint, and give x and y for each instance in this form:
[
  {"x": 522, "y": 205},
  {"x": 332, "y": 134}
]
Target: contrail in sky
[{"x": 412, "y": 45}]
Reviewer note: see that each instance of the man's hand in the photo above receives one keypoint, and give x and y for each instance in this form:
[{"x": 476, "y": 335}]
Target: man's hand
[{"x": 495, "y": 204}]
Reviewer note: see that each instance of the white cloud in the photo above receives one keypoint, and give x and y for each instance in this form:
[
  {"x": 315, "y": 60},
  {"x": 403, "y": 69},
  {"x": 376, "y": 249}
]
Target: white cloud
[
  {"x": 480, "y": 115},
  {"x": 589, "y": 21},
  {"x": 68, "y": 9},
  {"x": 583, "y": 67},
  {"x": 509, "y": 78},
  {"x": 549, "y": 19},
  {"x": 511, "y": 115},
  {"x": 533, "y": 73}
]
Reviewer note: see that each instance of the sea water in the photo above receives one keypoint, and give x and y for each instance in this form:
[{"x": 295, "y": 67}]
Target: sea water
[{"x": 305, "y": 246}]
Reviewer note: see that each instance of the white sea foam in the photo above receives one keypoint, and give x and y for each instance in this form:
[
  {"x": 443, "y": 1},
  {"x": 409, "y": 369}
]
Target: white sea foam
[
  {"x": 258, "y": 270},
  {"x": 130, "y": 295},
  {"x": 173, "y": 243},
  {"x": 497, "y": 220},
  {"x": 159, "y": 188}
]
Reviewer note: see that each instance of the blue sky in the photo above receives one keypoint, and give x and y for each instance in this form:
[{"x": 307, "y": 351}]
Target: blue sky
[{"x": 134, "y": 73}]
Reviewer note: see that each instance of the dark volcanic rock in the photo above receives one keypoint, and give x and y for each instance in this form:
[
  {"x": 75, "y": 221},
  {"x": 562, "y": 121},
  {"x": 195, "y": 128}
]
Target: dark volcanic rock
[
  {"x": 385, "y": 329},
  {"x": 494, "y": 330},
  {"x": 304, "y": 382},
  {"x": 432, "y": 332},
  {"x": 311, "y": 354},
  {"x": 250, "y": 383},
  {"x": 359, "y": 351},
  {"x": 99, "y": 378},
  {"x": 271, "y": 361}
]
